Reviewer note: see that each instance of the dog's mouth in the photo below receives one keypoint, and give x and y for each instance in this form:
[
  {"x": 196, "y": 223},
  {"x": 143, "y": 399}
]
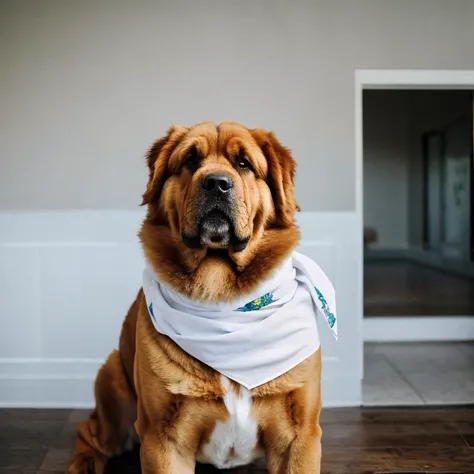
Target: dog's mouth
[
  {"x": 215, "y": 232},
  {"x": 215, "y": 229}
]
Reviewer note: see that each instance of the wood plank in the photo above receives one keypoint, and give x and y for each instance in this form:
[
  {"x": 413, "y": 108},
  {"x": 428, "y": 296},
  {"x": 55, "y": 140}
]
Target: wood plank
[
  {"x": 381, "y": 429},
  {"x": 389, "y": 290},
  {"x": 355, "y": 441},
  {"x": 396, "y": 415},
  {"x": 451, "y": 460},
  {"x": 387, "y": 440}
]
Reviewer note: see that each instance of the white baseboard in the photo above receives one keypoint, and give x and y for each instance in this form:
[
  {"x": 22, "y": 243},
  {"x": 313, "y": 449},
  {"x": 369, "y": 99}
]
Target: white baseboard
[
  {"x": 47, "y": 383},
  {"x": 418, "y": 329}
]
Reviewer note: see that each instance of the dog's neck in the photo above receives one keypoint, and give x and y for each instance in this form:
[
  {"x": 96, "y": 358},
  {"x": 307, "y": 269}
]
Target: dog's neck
[{"x": 195, "y": 274}]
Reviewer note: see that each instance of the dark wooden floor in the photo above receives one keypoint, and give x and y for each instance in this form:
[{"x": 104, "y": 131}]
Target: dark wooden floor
[
  {"x": 398, "y": 288},
  {"x": 356, "y": 441}
]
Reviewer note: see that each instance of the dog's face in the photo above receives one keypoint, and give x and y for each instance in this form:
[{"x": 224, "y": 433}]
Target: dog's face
[{"x": 216, "y": 192}]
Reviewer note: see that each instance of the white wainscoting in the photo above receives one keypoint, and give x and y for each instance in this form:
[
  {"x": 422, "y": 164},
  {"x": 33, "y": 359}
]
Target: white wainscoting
[{"x": 68, "y": 278}]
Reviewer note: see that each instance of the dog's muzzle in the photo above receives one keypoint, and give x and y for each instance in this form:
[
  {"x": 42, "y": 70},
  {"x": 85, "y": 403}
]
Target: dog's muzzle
[{"x": 215, "y": 209}]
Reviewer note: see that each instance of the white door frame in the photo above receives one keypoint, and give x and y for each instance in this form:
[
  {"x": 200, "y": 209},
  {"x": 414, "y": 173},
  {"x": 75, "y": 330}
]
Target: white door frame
[{"x": 393, "y": 79}]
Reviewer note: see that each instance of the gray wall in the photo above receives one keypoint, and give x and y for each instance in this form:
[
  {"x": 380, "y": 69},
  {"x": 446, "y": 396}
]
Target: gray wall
[{"x": 86, "y": 86}]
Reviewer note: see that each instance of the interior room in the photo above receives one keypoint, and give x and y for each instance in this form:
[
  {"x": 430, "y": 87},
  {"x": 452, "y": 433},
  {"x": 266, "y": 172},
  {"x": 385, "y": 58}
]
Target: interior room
[
  {"x": 95, "y": 95},
  {"x": 418, "y": 247}
]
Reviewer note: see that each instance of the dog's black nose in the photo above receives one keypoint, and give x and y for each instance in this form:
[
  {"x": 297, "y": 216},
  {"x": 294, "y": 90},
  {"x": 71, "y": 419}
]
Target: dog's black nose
[{"x": 217, "y": 184}]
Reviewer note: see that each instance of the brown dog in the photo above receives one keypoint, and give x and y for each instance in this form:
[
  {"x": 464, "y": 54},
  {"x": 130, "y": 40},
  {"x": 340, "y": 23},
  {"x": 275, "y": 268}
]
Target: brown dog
[{"x": 220, "y": 218}]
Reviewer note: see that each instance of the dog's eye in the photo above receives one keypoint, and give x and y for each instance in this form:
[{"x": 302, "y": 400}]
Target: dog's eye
[
  {"x": 191, "y": 160},
  {"x": 243, "y": 164}
]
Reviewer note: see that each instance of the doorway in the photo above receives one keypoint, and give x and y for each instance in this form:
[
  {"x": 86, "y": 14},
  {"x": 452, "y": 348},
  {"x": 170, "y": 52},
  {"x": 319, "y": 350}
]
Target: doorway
[{"x": 416, "y": 157}]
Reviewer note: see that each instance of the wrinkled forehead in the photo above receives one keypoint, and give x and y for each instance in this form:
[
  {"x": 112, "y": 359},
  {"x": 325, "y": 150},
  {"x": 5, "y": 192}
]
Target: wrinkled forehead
[{"x": 216, "y": 142}]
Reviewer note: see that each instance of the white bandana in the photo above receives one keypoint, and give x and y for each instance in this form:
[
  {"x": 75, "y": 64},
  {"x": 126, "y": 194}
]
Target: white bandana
[{"x": 257, "y": 338}]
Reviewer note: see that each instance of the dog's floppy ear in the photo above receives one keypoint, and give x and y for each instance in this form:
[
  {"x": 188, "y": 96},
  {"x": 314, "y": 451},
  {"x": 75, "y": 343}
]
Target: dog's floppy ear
[
  {"x": 157, "y": 161},
  {"x": 281, "y": 176}
]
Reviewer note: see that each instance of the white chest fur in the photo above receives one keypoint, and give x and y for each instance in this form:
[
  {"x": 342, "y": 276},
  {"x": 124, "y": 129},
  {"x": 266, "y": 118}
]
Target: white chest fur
[{"x": 233, "y": 442}]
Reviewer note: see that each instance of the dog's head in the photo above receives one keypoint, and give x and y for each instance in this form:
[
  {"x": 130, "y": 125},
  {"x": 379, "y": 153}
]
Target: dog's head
[{"x": 220, "y": 208}]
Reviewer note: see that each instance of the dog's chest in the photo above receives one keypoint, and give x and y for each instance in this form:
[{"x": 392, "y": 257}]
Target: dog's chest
[{"x": 233, "y": 442}]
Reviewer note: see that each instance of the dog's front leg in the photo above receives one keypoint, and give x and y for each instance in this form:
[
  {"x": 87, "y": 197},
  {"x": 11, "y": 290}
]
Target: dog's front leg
[
  {"x": 293, "y": 443},
  {"x": 305, "y": 455},
  {"x": 302, "y": 457},
  {"x": 162, "y": 450},
  {"x": 160, "y": 456}
]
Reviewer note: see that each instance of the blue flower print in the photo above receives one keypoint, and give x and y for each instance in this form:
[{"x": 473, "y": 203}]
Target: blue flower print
[
  {"x": 258, "y": 303},
  {"x": 331, "y": 319}
]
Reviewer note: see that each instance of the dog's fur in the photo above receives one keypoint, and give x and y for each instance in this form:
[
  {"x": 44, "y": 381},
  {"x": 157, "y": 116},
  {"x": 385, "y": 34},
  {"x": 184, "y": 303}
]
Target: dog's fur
[{"x": 209, "y": 249}]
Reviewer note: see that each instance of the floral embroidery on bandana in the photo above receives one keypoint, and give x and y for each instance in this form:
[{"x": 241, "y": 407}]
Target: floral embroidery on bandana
[
  {"x": 331, "y": 319},
  {"x": 258, "y": 303}
]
